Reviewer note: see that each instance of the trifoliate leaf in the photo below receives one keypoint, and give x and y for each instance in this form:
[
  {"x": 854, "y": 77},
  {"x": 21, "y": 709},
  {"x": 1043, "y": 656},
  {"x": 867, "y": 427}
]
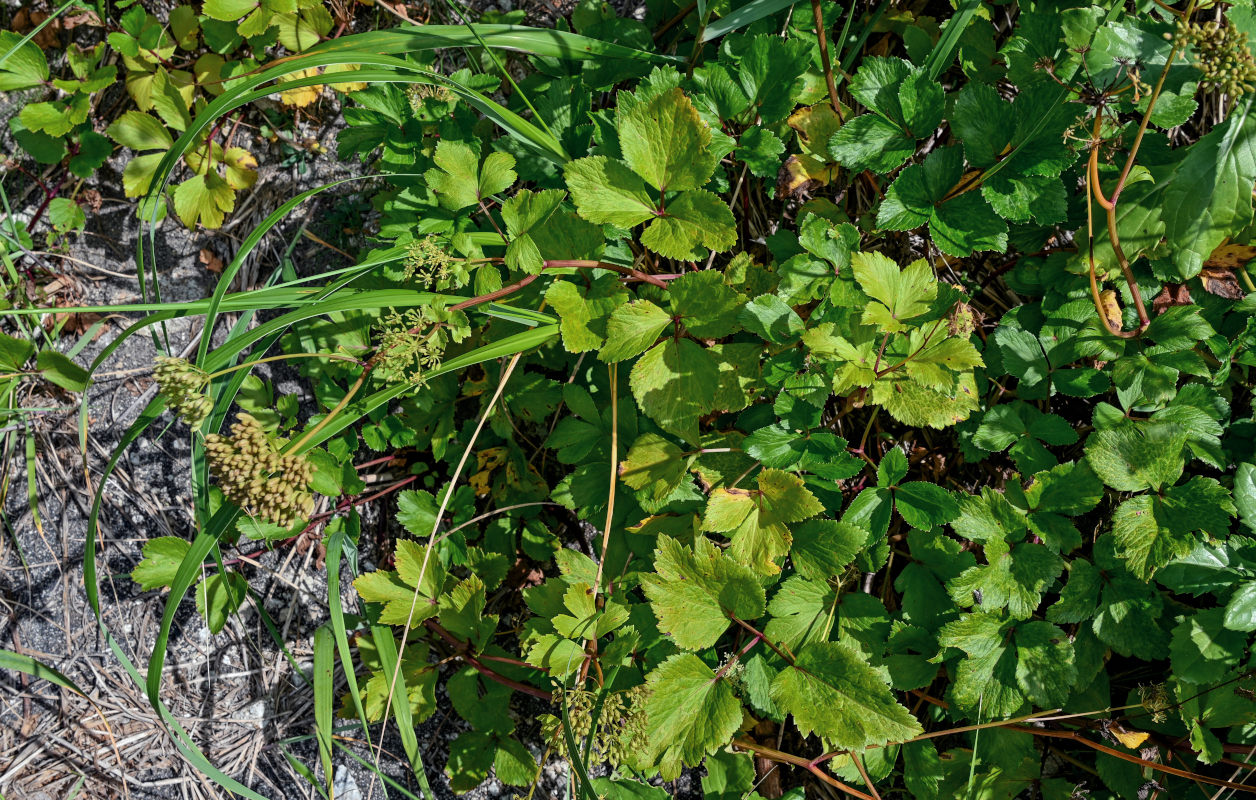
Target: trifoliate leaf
[
  {"x": 960, "y": 222},
  {"x": 819, "y": 452},
  {"x": 1152, "y": 530},
  {"x": 901, "y": 294},
  {"x": 1015, "y": 580},
  {"x": 755, "y": 520},
  {"x": 690, "y": 713},
  {"x": 460, "y": 180},
  {"x": 1009, "y": 663},
  {"x": 831, "y": 690}
]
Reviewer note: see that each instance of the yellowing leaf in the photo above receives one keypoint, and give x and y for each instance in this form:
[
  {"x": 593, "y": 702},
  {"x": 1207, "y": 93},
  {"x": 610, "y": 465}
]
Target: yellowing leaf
[{"x": 300, "y": 96}]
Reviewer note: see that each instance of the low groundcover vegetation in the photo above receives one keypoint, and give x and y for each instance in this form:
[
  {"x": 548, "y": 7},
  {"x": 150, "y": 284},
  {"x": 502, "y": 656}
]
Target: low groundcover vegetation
[{"x": 822, "y": 399}]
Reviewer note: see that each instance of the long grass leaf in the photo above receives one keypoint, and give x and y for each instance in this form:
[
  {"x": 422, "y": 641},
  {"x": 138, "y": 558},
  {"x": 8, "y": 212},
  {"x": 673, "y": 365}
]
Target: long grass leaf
[{"x": 324, "y": 662}]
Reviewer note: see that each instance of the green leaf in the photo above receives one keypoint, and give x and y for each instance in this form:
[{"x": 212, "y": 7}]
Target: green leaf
[
  {"x": 204, "y": 199},
  {"x": 25, "y": 67},
  {"x": 585, "y": 315},
  {"x": 230, "y": 10},
  {"x": 960, "y": 224},
  {"x": 708, "y": 308},
  {"x": 870, "y": 142},
  {"x": 218, "y": 596},
  {"x": 460, "y": 180},
  {"x": 693, "y": 592},
  {"x": 1245, "y": 494},
  {"x": 819, "y": 452},
  {"x": 1240, "y": 611},
  {"x": 902, "y": 294},
  {"x": 139, "y": 131},
  {"x": 675, "y": 383},
  {"x": 1015, "y": 579},
  {"x": 690, "y": 713},
  {"x": 760, "y": 150},
  {"x": 57, "y": 368},
  {"x": 654, "y": 464},
  {"x": 1008, "y": 664},
  {"x": 1209, "y": 195},
  {"x": 695, "y": 219},
  {"x": 1152, "y": 530},
  {"x": 632, "y": 329},
  {"x": 831, "y": 690},
  {"x": 755, "y": 520},
  {"x": 607, "y": 192},
  {"x": 823, "y": 548},
  {"x": 924, "y": 505},
  {"x": 771, "y": 319},
  {"x": 1203, "y": 650},
  {"x": 665, "y": 142},
  {"x": 161, "y": 560},
  {"x": 1130, "y": 458},
  {"x": 802, "y": 611}
]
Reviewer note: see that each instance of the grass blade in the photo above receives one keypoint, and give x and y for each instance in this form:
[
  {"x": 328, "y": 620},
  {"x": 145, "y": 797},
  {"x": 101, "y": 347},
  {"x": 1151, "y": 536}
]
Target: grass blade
[{"x": 324, "y": 661}]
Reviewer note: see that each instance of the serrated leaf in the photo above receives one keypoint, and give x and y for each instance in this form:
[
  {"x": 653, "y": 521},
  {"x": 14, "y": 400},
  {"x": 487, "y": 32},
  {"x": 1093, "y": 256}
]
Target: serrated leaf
[
  {"x": 755, "y": 520},
  {"x": 1130, "y": 458},
  {"x": 831, "y": 690},
  {"x": 676, "y": 382},
  {"x": 460, "y": 180},
  {"x": 632, "y": 329},
  {"x": 665, "y": 142},
  {"x": 693, "y": 591},
  {"x": 606, "y": 191},
  {"x": 695, "y": 219},
  {"x": 161, "y": 560},
  {"x": 690, "y": 713},
  {"x": 902, "y": 294}
]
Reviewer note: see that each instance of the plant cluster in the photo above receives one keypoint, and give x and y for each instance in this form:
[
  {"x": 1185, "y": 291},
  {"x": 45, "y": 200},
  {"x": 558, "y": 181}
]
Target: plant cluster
[
  {"x": 171, "y": 68},
  {"x": 856, "y": 397}
]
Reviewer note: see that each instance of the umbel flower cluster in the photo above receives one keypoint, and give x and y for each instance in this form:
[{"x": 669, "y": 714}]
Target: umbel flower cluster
[
  {"x": 412, "y": 342},
  {"x": 183, "y": 385},
  {"x": 621, "y": 729},
  {"x": 429, "y": 264},
  {"x": 1221, "y": 54},
  {"x": 254, "y": 475}
]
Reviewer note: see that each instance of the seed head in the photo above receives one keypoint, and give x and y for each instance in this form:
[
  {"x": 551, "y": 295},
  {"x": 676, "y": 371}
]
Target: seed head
[
  {"x": 183, "y": 385},
  {"x": 258, "y": 478}
]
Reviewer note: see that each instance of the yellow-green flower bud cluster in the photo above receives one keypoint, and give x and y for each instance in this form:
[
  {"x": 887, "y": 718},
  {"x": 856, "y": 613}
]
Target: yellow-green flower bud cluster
[
  {"x": 254, "y": 475},
  {"x": 416, "y": 93},
  {"x": 183, "y": 385},
  {"x": 621, "y": 729},
  {"x": 429, "y": 264},
  {"x": 412, "y": 342},
  {"x": 1221, "y": 54}
]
